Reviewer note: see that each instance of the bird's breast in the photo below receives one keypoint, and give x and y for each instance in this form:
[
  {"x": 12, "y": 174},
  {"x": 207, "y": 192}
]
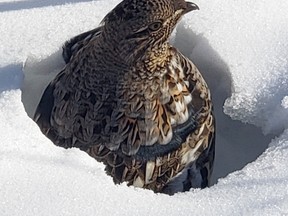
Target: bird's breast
[
  {"x": 154, "y": 103},
  {"x": 136, "y": 107}
]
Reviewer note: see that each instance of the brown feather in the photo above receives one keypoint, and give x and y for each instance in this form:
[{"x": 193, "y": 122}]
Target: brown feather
[{"x": 132, "y": 101}]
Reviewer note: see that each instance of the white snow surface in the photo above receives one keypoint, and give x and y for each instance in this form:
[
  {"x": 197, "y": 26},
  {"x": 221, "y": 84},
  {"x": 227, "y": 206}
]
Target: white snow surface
[{"x": 241, "y": 48}]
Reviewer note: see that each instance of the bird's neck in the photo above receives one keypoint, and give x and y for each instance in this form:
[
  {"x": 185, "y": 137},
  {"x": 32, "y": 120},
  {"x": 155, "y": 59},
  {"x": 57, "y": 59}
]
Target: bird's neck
[
  {"x": 157, "y": 57},
  {"x": 133, "y": 51}
]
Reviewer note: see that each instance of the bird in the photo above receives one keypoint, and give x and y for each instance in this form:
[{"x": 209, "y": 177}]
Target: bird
[{"x": 132, "y": 101}]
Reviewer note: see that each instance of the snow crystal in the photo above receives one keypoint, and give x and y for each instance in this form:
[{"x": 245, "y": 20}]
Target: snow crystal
[{"x": 284, "y": 102}]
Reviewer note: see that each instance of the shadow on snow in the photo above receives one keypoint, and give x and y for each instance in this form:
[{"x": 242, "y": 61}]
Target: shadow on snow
[
  {"x": 11, "y": 77},
  {"x": 20, "y": 5}
]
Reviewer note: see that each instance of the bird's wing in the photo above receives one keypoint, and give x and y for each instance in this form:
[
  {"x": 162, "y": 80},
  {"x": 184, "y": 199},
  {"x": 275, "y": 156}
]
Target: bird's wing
[
  {"x": 56, "y": 94},
  {"x": 44, "y": 115},
  {"x": 71, "y": 115},
  {"x": 72, "y": 46}
]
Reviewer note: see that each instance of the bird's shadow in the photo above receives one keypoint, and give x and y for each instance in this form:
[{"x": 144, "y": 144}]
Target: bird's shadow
[
  {"x": 11, "y": 77},
  {"x": 237, "y": 143},
  {"x": 38, "y": 73},
  {"x": 28, "y": 4}
]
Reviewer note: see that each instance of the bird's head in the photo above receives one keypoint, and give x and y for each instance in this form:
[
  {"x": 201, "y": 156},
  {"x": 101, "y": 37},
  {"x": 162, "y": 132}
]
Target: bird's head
[{"x": 135, "y": 26}]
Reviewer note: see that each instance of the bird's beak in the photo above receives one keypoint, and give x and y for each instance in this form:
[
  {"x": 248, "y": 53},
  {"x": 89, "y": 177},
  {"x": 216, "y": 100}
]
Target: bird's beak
[{"x": 190, "y": 7}]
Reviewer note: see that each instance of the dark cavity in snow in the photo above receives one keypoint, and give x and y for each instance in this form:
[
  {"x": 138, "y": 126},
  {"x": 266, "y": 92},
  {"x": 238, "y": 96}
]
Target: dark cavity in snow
[{"x": 237, "y": 143}]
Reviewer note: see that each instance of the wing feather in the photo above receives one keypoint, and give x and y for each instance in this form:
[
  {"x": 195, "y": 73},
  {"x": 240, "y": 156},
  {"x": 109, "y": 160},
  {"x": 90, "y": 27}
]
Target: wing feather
[{"x": 72, "y": 46}]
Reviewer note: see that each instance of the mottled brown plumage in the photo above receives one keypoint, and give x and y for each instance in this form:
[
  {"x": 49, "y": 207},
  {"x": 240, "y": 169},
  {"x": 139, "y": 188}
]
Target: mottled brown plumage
[{"x": 132, "y": 101}]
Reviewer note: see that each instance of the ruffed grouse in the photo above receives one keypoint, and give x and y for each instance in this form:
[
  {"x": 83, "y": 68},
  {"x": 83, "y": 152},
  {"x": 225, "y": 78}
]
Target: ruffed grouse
[{"x": 132, "y": 101}]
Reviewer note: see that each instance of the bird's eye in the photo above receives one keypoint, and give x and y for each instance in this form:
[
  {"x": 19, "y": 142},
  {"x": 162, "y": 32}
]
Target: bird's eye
[{"x": 155, "y": 26}]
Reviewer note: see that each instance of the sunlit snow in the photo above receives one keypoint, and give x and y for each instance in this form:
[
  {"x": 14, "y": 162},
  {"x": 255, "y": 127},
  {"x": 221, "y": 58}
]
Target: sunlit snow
[{"x": 241, "y": 48}]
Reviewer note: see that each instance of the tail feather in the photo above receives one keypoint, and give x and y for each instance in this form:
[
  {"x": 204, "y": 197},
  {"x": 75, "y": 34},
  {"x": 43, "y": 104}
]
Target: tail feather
[{"x": 195, "y": 175}]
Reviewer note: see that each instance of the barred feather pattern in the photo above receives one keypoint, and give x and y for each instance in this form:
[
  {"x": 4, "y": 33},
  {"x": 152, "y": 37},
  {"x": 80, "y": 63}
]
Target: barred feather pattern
[{"x": 149, "y": 119}]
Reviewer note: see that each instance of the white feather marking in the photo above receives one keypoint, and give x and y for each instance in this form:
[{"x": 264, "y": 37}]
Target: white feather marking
[
  {"x": 167, "y": 139},
  {"x": 180, "y": 87},
  {"x": 179, "y": 106},
  {"x": 158, "y": 161},
  {"x": 172, "y": 120},
  {"x": 138, "y": 182},
  {"x": 183, "y": 117},
  {"x": 201, "y": 129},
  {"x": 181, "y": 72},
  {"x": 150, "y": 166},
  {"x": 150, "y": 140},
  {"x": 187, "y": 99},
  {"x": 203, "y": 94},
  {"x": 190, "y": 156},
  {"x": 174, "y": 62}
]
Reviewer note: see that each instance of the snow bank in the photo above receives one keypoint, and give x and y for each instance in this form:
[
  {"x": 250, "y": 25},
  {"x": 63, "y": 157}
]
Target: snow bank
[
  {"x": 240, "y": 47},
  {"x": 38, "y": 178},
  {"x": 251, "y": 37}
]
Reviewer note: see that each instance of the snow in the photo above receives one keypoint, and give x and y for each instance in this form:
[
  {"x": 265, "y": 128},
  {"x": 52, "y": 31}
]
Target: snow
[{"x": 241, "y": 49}]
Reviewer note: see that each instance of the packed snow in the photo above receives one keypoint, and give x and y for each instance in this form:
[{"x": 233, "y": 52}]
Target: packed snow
[{"x": 241, "y": 48}]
